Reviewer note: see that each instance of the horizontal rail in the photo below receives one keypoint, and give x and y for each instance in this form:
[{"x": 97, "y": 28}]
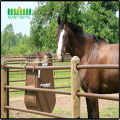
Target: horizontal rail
[
  {"x": 55, "y": 88},
  {"x": 38, "y": 89},
  {"x": 16, "y": 73},
  {"x": 16, "y": 70},
  {"x": 63, "y": 87},
  {"x": 36, "y": 112},
  {"x": 93, "y": 66},
  {"x": 25, "y": 70},
  {"x": 27, "y": 57},
  {"x": 61, "y": 71},
  {"x": 63, "y": 78},
  {"x": 101, "y": 96},
  {"x": 63, "y": 61},
  {"x": 98, "y": 66},
  {"x": 17, "y": 60},
  {"x": 16, "y": 63},
  {"x": 17, "y": 80},
  {"x": 30, "y": 60},
  {"x": 34, "y": 59},
  {"x": 12, "y": 57},
  {"x": 25, "y": 80},
  {"x": 38, "y": 67},
  {"x": 16, "y": 90}
]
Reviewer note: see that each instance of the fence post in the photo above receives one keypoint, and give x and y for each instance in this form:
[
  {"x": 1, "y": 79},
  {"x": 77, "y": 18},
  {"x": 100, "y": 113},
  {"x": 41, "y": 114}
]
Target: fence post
[
  {"x": 56, "y": 57},
  {"x": 53, "y": 62},
  {"x": 3, "y": 91},
  {"x": 21, "y": 65},
  {"x": 75, "y": 87},
  {"x": 27, "y": 55}
]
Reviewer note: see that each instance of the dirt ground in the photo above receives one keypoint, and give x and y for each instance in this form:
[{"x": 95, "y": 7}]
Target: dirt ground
[{"x": 63, "y": 102}]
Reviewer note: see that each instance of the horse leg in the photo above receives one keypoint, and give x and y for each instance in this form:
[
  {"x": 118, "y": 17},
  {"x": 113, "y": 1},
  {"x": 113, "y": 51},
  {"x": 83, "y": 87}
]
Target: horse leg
[
  {"x": 94, "y": 106},
  {"x": 89, "y": 108}
]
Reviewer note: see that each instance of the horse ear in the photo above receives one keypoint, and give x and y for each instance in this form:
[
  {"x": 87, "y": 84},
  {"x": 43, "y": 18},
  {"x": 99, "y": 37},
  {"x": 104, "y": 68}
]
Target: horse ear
[
  {"x": 59, "y": 20},
  {"x": 66, "y": 20}
]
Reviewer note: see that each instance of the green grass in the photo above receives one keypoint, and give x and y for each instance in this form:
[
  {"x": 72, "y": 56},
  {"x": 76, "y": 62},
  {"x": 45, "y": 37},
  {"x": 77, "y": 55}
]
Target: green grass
[
  {"x": 62, "y": 112},
  {"x": 111, "y": 111},
  {"x": 63, "y": 63},
  {"x": 57, "y": 112},
  {"x": 11, "y": 117}
]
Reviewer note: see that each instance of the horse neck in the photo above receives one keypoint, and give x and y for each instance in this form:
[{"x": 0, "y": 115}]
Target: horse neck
[{"x": 75, "y": 44}]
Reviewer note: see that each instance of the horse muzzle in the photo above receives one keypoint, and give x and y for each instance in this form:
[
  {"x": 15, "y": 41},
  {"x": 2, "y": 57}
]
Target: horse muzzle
[{"x": 60, "y": 57}]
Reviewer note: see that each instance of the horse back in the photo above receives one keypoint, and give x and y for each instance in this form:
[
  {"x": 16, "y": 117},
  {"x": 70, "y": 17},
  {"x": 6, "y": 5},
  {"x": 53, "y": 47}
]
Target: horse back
[
  {"x": 110, "y": 54},
  {"x": 48, "y": 54}
]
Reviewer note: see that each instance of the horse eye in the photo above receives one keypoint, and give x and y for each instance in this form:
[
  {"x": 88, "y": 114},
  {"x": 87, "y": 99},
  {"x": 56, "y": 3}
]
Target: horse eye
[
  {"x": 66, "y": 35},
  {"x": 56, "y": 34}
]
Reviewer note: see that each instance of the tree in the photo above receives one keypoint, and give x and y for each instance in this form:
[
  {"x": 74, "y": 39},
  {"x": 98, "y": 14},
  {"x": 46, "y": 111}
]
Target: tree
[
  {"x": 19, "y": 35},
  {"x": 21, "y": 49},
  {"x": 7, "y": 38},
  {"x": 100, "y": 20},
  {"x": 13, "y": 43}
]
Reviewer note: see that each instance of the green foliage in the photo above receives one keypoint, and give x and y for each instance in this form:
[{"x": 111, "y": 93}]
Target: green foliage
[
  {"x": 14, "y": 43},
  {"x": 100, "y": 19},
  {"x": 21, "y": 49}
]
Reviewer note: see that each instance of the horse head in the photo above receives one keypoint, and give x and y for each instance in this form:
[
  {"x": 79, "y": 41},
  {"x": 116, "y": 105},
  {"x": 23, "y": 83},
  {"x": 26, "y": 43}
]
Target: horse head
[{"x": 62, "y": 39}]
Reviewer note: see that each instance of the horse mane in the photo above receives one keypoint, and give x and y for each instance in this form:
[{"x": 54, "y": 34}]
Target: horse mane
[
  {"x": 79, "y": 31},
  {"x": 48, "y": 53}
]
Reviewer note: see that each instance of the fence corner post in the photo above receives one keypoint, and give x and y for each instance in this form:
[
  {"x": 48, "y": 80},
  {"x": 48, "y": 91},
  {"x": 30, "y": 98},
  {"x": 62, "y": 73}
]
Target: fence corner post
[
  {"x": 75, "y": 87},
  {"x": 3, "y": 91},
  {"x": 21, "y": 65}
]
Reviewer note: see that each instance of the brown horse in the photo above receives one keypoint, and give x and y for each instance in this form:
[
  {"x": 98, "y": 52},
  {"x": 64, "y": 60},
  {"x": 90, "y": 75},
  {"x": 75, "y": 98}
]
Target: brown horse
[
  {"x": 40, "y": 55},
  {"x": 90, "y": 49}
]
